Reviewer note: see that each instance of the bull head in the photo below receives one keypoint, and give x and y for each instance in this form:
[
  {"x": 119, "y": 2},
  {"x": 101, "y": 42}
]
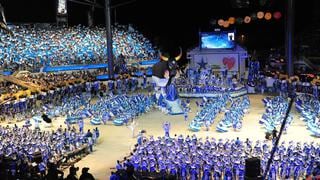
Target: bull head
[
  {"x": 177, "y": 58},
  {"x": 3, "y": 22}
]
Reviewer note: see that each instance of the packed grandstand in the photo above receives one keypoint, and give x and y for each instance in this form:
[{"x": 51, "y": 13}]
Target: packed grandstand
[{"x": 34, "y": 46}]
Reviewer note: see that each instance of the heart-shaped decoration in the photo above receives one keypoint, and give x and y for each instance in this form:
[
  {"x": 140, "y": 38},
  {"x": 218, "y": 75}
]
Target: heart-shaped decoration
[{"x": 229, "y": 62}]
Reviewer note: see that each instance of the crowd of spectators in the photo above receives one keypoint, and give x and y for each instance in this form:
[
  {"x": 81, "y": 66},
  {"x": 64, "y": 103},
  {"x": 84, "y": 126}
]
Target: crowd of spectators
[
  {"x": 52, "y": 88},
  {"x": 34, "y": 154},
  {"x": 52, "y": 80},
  {"x": 32, "y": 47},
  {"x": 53, "y": 93},
  {"x": 8, "y": 87}
]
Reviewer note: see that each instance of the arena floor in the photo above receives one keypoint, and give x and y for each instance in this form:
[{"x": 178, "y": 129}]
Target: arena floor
[{"x": 116, "y": 142}]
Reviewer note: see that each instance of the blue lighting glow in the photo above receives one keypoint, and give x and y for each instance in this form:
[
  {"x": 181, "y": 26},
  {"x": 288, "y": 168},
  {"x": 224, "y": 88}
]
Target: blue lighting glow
[{"x": 217, "y": 40}]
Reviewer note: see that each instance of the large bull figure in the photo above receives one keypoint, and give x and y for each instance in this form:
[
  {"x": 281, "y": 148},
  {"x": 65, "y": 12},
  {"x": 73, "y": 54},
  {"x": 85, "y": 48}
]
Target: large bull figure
[
  {"x": 3, "y": 21},
  {"x": 165, "y": 70},
  {"x": 163, "y": 74}
]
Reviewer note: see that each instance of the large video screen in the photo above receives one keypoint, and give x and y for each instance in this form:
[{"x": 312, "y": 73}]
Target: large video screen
[{"x": 218, "y": 40}]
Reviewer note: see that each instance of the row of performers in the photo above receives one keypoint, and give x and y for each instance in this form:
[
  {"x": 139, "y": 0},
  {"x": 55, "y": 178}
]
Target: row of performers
[{"x": 285, "y": 87}]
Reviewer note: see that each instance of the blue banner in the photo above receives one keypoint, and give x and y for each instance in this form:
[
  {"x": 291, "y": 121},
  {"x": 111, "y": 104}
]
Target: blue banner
[
  {"x": 105, "y": 77},
  {"x": 149, "y": 62},
  {"x": 74, "y": 68},
  {"x": 7, "y": 73}
]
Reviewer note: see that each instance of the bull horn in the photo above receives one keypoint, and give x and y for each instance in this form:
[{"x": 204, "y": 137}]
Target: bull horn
[
  {"x": 177, "y": 58},
  {"x": 162, "y": 57}
]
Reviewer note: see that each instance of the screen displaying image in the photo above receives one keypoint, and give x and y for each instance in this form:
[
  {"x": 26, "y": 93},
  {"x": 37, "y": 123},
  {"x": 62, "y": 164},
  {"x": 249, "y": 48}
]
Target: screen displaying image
[{"x": 218, "y": 40}]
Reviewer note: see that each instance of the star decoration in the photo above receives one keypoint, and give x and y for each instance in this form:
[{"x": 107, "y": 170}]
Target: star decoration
[{"x": 202, "y": 64}]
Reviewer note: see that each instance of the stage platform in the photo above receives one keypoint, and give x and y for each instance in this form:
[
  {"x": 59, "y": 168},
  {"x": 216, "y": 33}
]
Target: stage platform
[{"x": 116, "y": 142}]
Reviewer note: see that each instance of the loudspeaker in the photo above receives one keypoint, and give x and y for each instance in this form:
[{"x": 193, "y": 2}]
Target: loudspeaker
[
  {"x": 253, "y": 169},
  {"x": 46, "y": 118}
]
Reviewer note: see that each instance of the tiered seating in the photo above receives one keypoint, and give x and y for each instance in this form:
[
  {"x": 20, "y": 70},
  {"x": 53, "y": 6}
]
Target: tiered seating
[
  {"x": 10, "y": 92},
  {"x": 48, "y": 81},
  {"x": 32, "y": 47},
  {"x": 8, "y": 87}
]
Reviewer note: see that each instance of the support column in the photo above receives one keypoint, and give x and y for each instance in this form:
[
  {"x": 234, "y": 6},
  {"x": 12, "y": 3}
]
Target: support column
[
  {"x": 289, "y": 36},
  {"x": 109, "y": 39}
]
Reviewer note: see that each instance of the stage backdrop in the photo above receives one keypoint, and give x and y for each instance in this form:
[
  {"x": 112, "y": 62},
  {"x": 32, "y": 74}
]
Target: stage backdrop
[
  {"x": 232, "y": 59},
  {"x": 218, "y": 61}
]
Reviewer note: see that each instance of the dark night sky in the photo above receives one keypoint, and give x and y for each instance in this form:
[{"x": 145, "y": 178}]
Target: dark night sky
[{"x": 170, "y": 22}]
